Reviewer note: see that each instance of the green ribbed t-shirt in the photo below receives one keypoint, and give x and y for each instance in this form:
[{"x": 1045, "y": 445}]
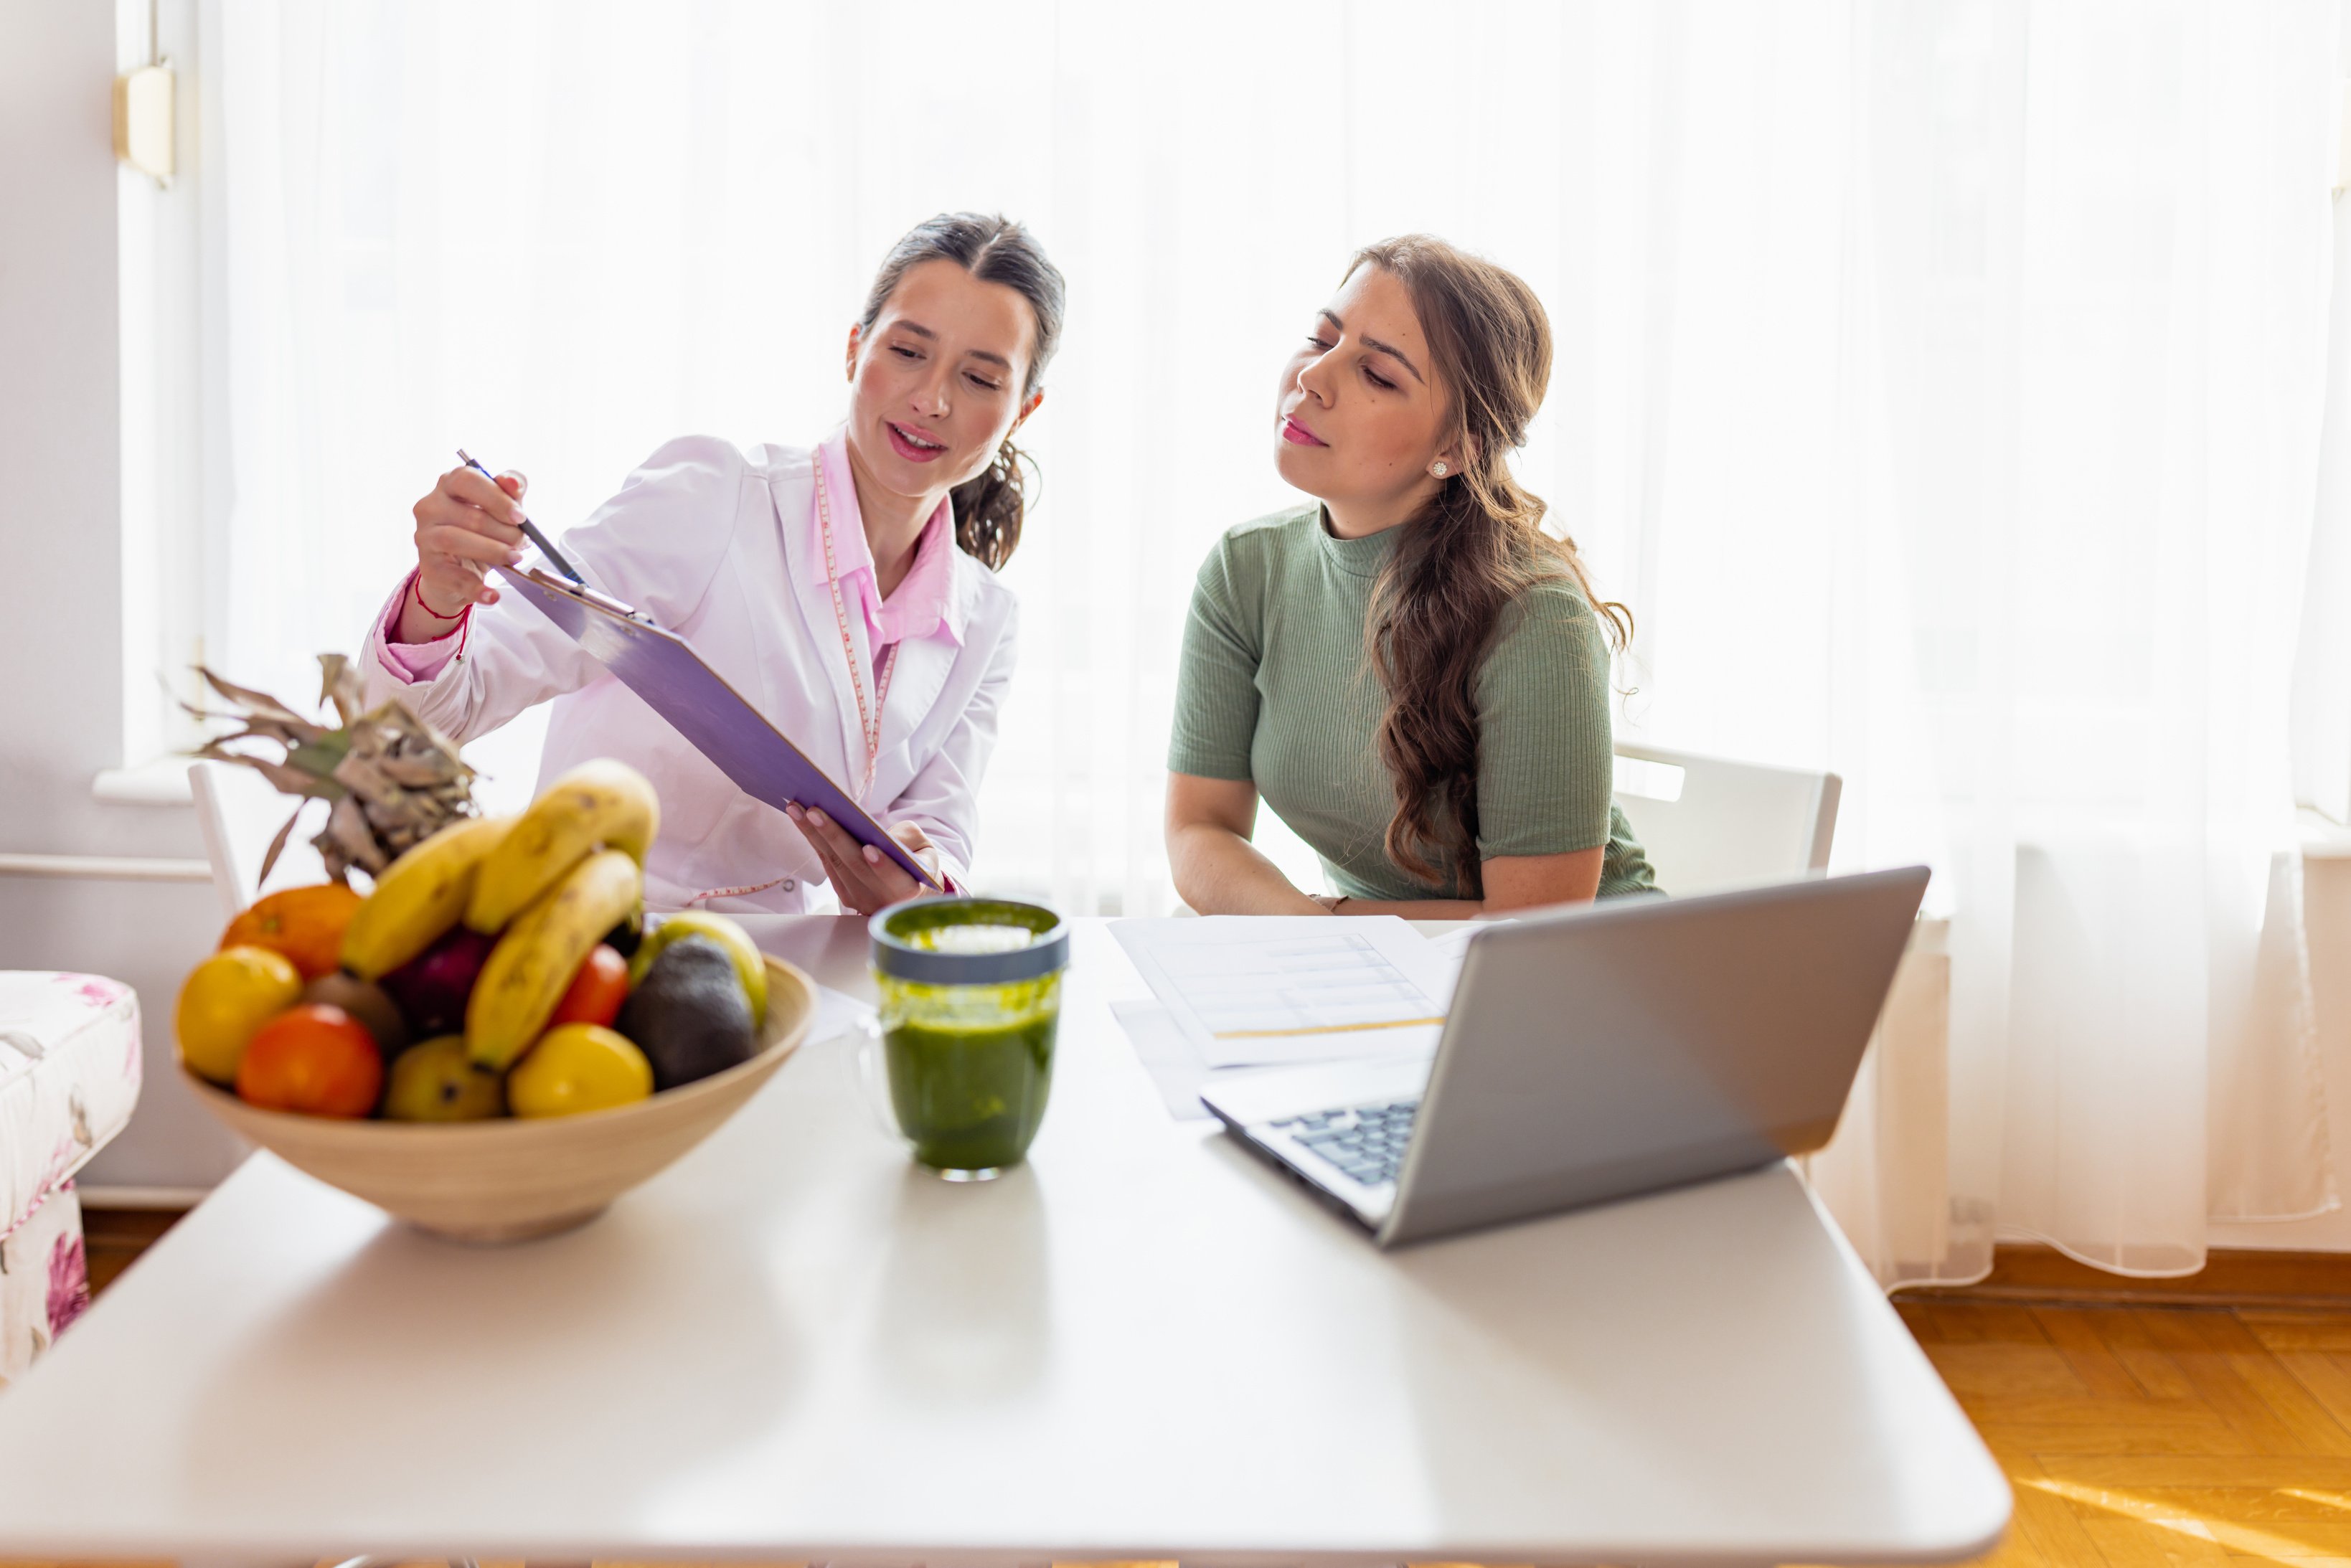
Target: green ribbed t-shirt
[{"x": 1275, "y": 689}]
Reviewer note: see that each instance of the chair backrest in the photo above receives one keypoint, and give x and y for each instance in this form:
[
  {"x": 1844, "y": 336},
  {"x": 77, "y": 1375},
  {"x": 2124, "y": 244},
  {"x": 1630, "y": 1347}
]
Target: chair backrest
[
  {"x": 1710, "y": 823},
  {"x": 238, "y": 812}
]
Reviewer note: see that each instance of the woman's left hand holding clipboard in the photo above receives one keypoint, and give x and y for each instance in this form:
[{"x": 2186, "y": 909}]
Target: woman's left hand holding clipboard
[{"x": 864, "y": 878}]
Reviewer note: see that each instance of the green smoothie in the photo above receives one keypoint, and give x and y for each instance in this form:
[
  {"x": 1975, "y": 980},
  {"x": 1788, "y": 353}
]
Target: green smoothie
[
  {"x": 970, "y": 1065},
  {"x": 969, "y": 1082}
]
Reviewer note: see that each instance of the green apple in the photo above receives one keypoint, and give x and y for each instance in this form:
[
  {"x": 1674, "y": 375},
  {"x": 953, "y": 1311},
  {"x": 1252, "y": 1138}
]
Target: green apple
[{"x": 436, "y": 1082}]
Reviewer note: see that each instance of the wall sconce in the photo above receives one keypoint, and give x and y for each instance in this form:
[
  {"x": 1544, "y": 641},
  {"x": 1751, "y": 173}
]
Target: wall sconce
[
  {"x": 2342, "y": 135},
  {"x": 142, "y": 121}
]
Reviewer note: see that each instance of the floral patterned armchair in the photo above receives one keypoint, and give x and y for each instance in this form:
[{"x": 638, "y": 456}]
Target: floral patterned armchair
[{"x": 68, "y": 1081}]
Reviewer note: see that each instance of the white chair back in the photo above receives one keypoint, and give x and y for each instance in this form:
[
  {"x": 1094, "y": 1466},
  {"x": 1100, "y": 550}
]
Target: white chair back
[
  {"x": 1710, "y": 823},
  {"x": 238, "y": 812}
]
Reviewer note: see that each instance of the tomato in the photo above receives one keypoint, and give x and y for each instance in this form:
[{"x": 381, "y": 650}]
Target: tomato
[
  {"x": 314, "y": 1059},
  {"x": 596, "y": 990}
]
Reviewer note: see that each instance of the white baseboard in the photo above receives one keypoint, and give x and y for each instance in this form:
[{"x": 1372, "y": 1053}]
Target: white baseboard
[{"x": 142, "y": 1197}]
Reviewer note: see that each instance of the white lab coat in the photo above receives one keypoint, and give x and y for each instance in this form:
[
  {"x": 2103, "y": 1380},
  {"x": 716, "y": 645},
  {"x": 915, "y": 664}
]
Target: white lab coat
[{"x": 715, "y": 545}]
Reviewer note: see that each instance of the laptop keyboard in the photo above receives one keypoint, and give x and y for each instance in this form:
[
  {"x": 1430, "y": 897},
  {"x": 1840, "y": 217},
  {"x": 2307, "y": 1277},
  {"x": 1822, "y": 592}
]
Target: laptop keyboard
[{"x": 1367, "y": 1142}]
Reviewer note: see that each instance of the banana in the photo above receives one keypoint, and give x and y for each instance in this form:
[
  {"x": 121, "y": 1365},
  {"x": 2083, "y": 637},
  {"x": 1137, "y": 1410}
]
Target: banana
[
  {"x": 601, "y": 803},
  {"x": 419, "y": 896},
  {"x": 532, "y": 965}
]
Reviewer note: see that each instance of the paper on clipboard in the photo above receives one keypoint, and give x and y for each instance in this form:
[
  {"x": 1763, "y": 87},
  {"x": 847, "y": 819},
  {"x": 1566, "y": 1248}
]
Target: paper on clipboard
[{"x": 663, "y": 669}]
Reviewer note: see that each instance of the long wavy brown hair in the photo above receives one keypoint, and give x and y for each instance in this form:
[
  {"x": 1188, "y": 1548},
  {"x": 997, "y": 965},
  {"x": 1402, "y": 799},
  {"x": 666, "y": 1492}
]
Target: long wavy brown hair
[{"x": 1477, "y": 547}]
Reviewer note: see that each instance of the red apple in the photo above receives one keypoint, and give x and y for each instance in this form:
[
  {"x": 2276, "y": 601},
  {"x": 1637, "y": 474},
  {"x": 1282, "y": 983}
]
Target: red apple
[{"x": 432, "y": 987}]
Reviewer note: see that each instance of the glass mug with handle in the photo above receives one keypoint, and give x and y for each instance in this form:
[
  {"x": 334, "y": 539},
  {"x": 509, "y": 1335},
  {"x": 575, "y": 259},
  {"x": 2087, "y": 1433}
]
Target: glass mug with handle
[{"x": 961, "y": 1052}]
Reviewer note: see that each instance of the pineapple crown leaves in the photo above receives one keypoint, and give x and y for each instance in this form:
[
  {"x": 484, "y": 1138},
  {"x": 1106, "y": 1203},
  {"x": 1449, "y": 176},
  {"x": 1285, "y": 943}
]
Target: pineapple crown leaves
[
  {"x": 390, "y": 778},
  {"x": 339, "y": 682}
]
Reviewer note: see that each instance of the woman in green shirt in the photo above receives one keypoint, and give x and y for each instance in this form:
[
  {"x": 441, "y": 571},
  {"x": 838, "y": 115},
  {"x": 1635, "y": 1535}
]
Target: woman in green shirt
[{"x": 1411, "y": 674}]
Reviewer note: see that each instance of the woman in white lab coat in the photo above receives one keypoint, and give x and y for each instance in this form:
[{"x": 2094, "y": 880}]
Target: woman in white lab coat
[{"x": 846, "y": 590}]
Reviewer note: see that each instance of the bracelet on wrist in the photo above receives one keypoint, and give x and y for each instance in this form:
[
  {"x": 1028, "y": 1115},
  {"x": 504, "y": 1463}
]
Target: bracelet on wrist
[{"x": 416, "y": 591}]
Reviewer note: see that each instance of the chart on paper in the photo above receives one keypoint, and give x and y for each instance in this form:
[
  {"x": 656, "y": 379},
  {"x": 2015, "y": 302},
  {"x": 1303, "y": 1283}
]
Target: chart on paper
[
  {"x": 1310, "y": 985},
  {"x": 1261, "y": 990}
]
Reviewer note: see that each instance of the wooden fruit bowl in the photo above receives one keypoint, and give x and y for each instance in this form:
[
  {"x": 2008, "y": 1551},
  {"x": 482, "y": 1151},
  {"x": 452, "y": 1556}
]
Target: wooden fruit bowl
[{"x": 512, "y": 1180}]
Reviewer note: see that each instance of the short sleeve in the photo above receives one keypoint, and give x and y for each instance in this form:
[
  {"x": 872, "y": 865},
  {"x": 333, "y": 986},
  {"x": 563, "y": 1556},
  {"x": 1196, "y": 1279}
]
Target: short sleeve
[
  {"x": 1546, "y": 763},
  {"x": 1216, "y": 686}
]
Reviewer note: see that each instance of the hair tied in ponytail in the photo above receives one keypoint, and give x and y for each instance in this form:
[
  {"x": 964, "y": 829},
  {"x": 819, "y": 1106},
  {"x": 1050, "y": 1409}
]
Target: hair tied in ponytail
[{"x": 990, "y": 506}]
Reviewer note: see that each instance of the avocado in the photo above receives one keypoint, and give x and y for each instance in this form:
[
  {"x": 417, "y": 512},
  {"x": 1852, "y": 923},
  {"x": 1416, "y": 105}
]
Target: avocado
[{"x": 689, "y": 1015}]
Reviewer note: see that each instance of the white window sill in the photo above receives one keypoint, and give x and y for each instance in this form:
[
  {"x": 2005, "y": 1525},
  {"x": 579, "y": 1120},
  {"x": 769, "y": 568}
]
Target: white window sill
[
  {"x": 2323, "y": 838},
  {"x": 163, "y": 781}
]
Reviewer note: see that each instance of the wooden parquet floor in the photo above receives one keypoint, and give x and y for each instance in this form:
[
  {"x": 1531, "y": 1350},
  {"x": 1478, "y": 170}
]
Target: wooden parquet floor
[{"x": 2142, "y": 1438}]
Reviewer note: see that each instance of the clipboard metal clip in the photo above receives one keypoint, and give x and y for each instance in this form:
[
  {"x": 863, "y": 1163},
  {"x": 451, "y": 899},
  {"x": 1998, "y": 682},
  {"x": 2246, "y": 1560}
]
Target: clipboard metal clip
[{"x": 580, "y": 591}]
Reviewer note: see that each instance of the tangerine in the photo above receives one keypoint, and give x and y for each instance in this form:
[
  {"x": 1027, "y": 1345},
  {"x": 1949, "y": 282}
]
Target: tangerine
[
  {"x": 315, "y": 1058},
  {"x": 306, "y": 923}
]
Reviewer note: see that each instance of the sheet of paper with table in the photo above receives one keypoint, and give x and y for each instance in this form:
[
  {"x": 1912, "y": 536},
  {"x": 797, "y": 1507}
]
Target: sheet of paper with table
[
  {"x": 1231, "y": 995},
  {"x": 1256, "y": 991}
]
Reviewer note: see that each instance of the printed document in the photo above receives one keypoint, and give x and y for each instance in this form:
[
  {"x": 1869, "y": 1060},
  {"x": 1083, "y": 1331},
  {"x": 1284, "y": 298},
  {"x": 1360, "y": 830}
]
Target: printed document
[{"x": 1260, "y": 990}]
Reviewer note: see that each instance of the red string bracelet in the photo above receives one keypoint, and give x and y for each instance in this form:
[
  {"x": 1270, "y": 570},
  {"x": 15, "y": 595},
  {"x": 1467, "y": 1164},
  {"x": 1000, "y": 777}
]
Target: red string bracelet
[{"x": 416, "y": 591}]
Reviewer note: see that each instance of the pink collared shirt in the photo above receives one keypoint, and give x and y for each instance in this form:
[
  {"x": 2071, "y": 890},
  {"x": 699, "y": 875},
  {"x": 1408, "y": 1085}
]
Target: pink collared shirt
[{"x": 924, "y": 604}]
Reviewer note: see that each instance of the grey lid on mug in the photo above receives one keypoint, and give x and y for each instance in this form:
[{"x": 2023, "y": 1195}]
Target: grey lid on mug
[{"x": 895, "y": 955}]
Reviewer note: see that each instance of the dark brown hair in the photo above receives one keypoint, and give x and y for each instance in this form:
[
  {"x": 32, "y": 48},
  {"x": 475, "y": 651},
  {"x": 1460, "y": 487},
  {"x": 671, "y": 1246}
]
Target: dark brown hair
[
  {"x": 1473, "y": 551},
  {"x": 989, "y": 508}
]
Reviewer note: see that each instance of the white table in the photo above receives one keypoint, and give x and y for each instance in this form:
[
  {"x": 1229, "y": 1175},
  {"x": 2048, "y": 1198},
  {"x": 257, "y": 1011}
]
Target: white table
[{"x": 1143, "y": 1344}]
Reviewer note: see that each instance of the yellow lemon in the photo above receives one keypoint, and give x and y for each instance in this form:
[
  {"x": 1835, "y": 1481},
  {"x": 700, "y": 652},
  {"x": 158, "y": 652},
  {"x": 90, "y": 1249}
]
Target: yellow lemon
[
  {"x": 225, "y": 1000},
  {"x": 578, "y": 1067}
]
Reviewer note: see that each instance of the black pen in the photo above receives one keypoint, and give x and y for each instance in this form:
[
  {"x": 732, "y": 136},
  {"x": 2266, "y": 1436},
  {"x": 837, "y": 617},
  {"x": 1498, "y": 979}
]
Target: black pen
[{"x": 530, "y": 529}]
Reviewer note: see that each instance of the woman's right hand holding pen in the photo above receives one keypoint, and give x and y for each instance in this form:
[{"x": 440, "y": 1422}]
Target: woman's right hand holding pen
[{"x": 466, "y": 525}]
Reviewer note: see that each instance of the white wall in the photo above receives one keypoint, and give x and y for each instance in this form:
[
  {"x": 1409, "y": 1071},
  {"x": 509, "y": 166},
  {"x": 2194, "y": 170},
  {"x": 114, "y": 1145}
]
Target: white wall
[{"x": 61, "y": 631}]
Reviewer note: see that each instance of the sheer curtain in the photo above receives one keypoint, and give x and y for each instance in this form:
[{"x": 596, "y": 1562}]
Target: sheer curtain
[
  {"x": 2057, "y": 336},
  {"x": 1938, "y": 385}
]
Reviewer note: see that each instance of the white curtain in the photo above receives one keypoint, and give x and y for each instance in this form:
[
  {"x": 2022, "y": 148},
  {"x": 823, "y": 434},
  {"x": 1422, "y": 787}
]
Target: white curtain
[
  {"x": 2041, "y": 493},
  {"x": 1939, "y": 383}
]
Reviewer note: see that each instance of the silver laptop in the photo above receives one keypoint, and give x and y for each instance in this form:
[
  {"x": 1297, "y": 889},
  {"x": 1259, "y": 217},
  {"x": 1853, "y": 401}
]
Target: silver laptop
[{"x": 1598, "y": 1052}]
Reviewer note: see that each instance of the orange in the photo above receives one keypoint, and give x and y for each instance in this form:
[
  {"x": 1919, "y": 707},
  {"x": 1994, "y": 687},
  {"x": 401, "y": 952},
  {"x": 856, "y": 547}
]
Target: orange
[
  {"x": 225, "y": 1000},
  {"x": 314, "y": 1059},
  {"x": 306, "y": 923}
]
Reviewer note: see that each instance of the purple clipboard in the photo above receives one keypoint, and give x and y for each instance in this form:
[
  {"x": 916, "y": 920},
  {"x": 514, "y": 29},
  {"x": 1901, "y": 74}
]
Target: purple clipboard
[{"x": 663, "y": 669}]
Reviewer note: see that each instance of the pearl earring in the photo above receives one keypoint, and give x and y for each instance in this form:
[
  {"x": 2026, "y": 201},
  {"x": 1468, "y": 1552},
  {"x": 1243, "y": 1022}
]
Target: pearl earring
[{"x": 1438, "y": 469}]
